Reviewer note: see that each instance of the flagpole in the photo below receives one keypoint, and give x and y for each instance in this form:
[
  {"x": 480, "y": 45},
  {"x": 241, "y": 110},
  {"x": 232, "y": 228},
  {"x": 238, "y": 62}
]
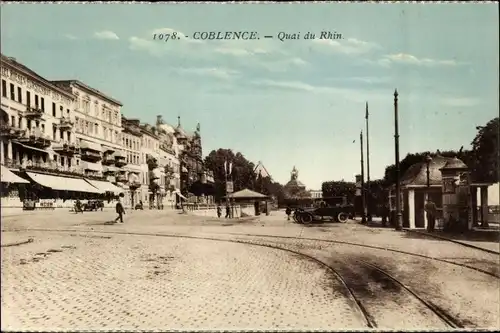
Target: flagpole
[
  {"x": 369, "y": 197},
  {"x": 225, "y": 174},
  {"x": 363, "y": 202}
]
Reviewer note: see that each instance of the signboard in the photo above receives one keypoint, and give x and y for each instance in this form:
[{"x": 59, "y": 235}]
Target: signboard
[
  {"x": 358, "y": 181},
  {"x": 229, "y": 187},
  {"x": 448, "y": 185}
]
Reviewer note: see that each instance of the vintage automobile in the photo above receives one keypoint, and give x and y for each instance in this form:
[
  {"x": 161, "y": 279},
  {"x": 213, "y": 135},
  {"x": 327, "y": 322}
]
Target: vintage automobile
[{"x": 338, "y": 213}]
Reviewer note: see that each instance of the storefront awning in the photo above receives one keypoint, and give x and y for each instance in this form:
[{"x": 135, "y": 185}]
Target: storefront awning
[
  {"x": 63, "y": 183},
  {"x": 105, "y": 186},
  {"x": 10, "y": 177}
]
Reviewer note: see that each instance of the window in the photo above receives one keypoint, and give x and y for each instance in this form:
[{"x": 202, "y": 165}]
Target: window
[
  {"x": 67, "y": 112},
  {"x": 12, "y": 92},
  {"x": 61, "y": 110},
  {"x": 28, "y": 98},
  {"x": 43, "y": 128},
  {"x": 36, "y": 101},
  {"x": 96, "y": 128},
  {"x": 13, "y": 121},
  {"x": 53, "y": 109},
  {"x": 4, "y": 88},
  {"x": 42, "y": 105},
  {"x": 54, "y": 132},
  {"x": 61, "y": 135},
  {"x": 19, "y": 95}
]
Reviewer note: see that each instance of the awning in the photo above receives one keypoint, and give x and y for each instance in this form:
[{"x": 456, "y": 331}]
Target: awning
[
  {"x": 10, "y": 177},
  {"x": 46, "y": 151},
  {"x": 108, "y": 148},
  {"x": 119, "y": 153},
  {"x": 91, "y": 166},
  {"x": 109, "y": 168},
  {"x": 84, "y": 144},
  {"x": 105, "y": 186},
  {"x": 180, "y": 194},
  {"x": 63, "y": 183}
]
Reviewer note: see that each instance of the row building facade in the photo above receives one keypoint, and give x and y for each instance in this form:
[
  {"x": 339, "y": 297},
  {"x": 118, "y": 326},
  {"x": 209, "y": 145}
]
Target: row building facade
[{"x": 69, "y": 141}]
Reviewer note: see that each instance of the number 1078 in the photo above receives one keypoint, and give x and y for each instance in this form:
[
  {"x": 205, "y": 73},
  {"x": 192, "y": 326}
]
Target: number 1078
[{"x": 165, "y": 37}]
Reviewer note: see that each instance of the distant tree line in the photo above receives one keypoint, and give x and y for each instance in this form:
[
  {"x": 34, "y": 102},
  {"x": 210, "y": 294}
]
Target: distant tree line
[{"x": 482, "y": 161}]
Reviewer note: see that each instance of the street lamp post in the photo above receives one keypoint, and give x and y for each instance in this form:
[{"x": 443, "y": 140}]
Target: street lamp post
[
  {"x": 428, "y": 160},
  {"x": 399, "y": 215},
  {"x": 363, "y": 198}
]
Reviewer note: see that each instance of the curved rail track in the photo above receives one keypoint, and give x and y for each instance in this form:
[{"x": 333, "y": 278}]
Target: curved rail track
[{"x": 368, "y": 318}]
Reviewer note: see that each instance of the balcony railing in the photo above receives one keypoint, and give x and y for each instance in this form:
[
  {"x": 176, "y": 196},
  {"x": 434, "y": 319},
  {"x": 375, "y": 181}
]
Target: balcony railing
[
  {"x": 90, "y": 155},
  {"x": 7, "y": 131},
  {"x": 121, "y": 178},
  {"x": 66, "y": 123},
  {"x": 33, "y": 112},
  {"x": 36, "y": 138},
  {"x": 108, "y": 160},
  {"x": 65, "y": 147}
]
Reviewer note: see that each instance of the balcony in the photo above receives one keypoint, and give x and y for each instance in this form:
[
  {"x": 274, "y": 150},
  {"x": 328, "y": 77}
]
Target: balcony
[
  {"x": 65, "y": 148},
  {"x": 109, "y": 170},
  {"x": 91, "y": 156},
  {"x": 108, "y": 159},
  {"x": 35, "y": 138},
  {"x": 65, "y": 124},
  {"x": 51, "y": 168},
  {"x": 10, "y": 132},
  {"x": 33, "y": 112},
  {"x": 121, "y": 178},
  {"x": 120, "y": 159}
]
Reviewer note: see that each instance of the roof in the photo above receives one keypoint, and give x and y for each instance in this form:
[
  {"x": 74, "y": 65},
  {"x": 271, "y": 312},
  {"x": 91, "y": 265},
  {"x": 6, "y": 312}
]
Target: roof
[
  {"x": 88, "y": 88},
  {"x": 455, "y": 163},
  {"x": 416, "y": 175},
  {"x": 247, "y": 194},
  {"x": 294, "y": 183},
  {"x": 260, "y": 168},
  {"x": 22, "y": 68}
]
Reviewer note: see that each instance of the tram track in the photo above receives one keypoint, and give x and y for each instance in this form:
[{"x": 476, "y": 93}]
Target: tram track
[{"x": 355, "y": 297}]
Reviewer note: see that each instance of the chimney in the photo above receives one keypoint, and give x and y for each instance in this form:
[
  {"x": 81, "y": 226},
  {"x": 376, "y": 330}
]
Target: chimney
[{"x": 159, "y": 120}]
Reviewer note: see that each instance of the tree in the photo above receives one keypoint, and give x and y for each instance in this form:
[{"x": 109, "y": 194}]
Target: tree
[
  {"x": 339, "y": 189},
  {"x": 485, "y": 147},
  {"x": 242, "y": 173}
]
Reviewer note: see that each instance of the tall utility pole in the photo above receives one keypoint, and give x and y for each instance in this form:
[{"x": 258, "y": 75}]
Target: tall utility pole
[
  {"x": 363, "y": 199},
  {"x": 399, "y": 215},
  {"x": 369, "y": 201}
]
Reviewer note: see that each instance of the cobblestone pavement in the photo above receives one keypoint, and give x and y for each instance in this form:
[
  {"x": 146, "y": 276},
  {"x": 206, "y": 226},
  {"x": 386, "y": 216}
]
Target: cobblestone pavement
[{"x": 90, "y": 278}]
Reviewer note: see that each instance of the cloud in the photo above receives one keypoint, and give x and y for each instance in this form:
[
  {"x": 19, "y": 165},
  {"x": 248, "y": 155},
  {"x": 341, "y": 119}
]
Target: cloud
[
  {"x": 219, "y": 73},
  {"x": 366, "y": 79},
  {"x": 350, "y": 46},
  {"x": 69, "y": 36},
  {"x": 460, "y": 101},
  {"x": 408, "y": 59},
  {"x": 106, "y": 34}
]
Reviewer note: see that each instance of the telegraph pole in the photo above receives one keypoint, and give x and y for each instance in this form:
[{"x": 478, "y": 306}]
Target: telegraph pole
[
  {"x": 369, "y": 201},
  {"x": 363, "y": 199},
  {"x": 399, "y": 215}
]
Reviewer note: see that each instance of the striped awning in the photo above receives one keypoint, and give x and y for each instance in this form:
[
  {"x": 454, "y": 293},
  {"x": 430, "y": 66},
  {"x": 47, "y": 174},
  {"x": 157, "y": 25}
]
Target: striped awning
[
  {"x": 8, "y": 176},
  {"x": 91, "y": 166},
  {"x": 84, "y": 144},
  {"x": 63, "y": 183}
]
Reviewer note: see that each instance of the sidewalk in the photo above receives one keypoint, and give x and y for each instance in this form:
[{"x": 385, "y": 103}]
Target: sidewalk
[{"x": 485, "y": 240}]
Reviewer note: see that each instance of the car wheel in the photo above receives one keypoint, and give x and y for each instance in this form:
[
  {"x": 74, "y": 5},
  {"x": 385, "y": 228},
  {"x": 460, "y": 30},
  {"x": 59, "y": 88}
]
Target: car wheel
[
  {"x": 307, "y": 218},
  {"x": 342, "y": 217}
]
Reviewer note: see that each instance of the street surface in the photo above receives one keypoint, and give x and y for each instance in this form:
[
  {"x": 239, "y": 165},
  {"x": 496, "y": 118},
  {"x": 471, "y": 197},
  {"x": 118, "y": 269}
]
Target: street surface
[{"x": 162, "y": 270}]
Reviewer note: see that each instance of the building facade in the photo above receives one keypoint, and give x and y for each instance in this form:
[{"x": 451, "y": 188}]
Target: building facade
[
  {"x": 316, "y": 194},
  {"x": 39, "y": 140}
]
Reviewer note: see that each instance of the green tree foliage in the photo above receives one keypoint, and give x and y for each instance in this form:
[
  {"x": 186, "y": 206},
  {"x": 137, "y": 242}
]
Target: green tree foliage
[
  {"x": 485, "y": 147},
  {"x": 243, "y": 175},
  {"x": 339, "y": 189}
]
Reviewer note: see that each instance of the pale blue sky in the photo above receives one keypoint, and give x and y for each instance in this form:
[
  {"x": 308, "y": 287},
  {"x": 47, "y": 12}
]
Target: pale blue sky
[{"x": 285, "y": 103}]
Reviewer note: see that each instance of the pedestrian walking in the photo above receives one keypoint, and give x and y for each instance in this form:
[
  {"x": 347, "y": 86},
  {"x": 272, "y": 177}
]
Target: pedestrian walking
[
  {"x": 228, "y": 212},
  {"x": 219, "y": 211},
  {"x": 431, "y": 210},
  {"x": 120, "y": 210},
  {"x": 288, "y": 211},
  {"x": 78, "y": 206}
]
